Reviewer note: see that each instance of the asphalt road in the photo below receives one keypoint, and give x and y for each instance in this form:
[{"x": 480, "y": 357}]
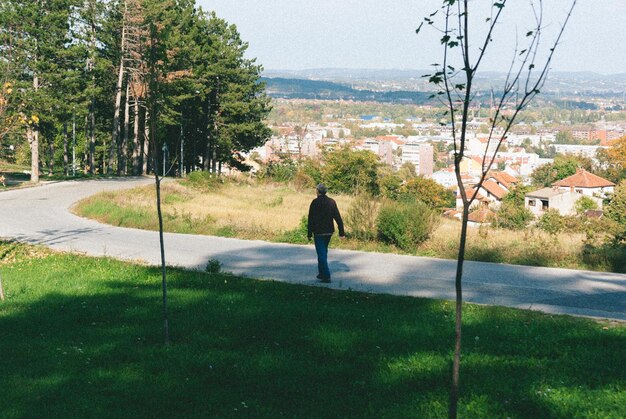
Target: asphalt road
[{"x": 41, "y": 215}]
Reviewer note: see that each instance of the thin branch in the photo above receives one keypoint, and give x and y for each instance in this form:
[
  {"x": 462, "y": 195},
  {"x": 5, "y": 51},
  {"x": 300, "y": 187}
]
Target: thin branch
[{"x": 492, "y": 26}]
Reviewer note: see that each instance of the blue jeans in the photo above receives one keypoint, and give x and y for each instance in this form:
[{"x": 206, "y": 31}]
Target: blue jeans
[{"x": 321, "y": 247}]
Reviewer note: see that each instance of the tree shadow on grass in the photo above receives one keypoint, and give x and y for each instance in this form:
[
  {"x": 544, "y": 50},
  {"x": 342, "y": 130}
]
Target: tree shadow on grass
[{"x": 267, "y": 349}]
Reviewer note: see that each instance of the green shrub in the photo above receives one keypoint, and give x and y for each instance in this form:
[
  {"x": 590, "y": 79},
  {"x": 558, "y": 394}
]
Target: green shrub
[
  {"x": 389, "y": 184},
  {"x": 361, "y": 217},
  {"x": 351, "y": 171},
  {"x": 551, "y": 222},
  {"x": 616, "y": 211},
  {"x": 311, "y": 168},
  {"x": 203, "y": 180},
  {"x": 406, "y": 224},
  {"x": 298, "y": 235},
  {"x": 585, "y": 203},
  {"x": 428, "y": 191},
  {"x": 213, "y": 266},
  {"x": 280, "y": 171},
  {"x": 513, "y": 217}
]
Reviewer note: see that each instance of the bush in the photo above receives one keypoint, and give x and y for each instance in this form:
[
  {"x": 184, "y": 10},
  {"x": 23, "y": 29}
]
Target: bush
[
  {"x": 551, "y": 222},
  {"x": 389, "y": 184},
  {"x": 312, "y": 169},
  {"x": 350, "y": 171},
  {"x": 298, "y": 235},
  {"x": 406, "y": 225},
  {"x": 512, "y": 217},
  {"x": 428, "y": 191},
  {"x": 204, "y": 181},
  {"x": 361, "y": 217},
  {"x": 585, "y": 203},
  {"x": 280, "y": 171},
  {"x": 616, "y": 210},
  {"x": 213, "y": 266}
]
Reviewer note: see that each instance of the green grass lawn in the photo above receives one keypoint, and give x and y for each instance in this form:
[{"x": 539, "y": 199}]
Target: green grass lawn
[{"x": 82, "y": 337}]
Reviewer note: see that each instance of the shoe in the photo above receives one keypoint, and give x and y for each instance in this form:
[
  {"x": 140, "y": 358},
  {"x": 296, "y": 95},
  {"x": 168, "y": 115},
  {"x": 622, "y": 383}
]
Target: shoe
[{"x": 325, "y": 280}]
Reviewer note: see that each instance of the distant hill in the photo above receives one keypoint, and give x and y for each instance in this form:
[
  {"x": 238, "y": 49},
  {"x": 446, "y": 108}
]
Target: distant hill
[
  {"x": 373, "y": 81},
  {"x": 293, "y": 88}
]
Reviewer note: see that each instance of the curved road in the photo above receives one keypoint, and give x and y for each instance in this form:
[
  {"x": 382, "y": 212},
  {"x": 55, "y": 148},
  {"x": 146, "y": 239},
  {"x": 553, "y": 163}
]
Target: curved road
[{"x": 41, "y": 215}]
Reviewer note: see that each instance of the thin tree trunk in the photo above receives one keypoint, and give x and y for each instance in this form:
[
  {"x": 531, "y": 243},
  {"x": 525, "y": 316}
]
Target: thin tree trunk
[
  {"x": 207, "y": 156},
  {"x": 456, "y": 363},
  {"x": 121, "y": 168},
  {"x": 146, "y": 143},
  {"x": 33, "y": 140},
  {"x": 66, "y": 157},
  {"x": 92, "y": 135},
  {"x": 118, "y": 104},
  {"x": 87, "y": 168},
  {"x": 136, "y": 140},
  {"x": 51, "y": 158},
  {"x": 91, "y": 65},
  {"x": 166, "y": 329}
]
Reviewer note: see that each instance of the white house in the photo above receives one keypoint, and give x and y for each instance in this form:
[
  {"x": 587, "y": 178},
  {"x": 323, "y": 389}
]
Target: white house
[
  {"x": 588, "y": 184},
  {"x": 564, "y": 201}
]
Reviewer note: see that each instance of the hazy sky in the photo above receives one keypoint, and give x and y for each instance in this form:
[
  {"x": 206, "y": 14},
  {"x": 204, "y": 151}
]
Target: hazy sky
[{"x": 380, "y": 34}]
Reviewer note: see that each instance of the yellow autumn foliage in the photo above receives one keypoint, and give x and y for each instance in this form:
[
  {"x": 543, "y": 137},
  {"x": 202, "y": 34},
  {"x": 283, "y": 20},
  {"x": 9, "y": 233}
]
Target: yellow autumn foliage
[{"x": 617, "y": 151}]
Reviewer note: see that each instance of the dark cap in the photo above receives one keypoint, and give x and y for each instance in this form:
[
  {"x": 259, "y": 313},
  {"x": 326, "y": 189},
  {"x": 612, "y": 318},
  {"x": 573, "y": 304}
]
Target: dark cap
[{"x": 321, "y": 188}]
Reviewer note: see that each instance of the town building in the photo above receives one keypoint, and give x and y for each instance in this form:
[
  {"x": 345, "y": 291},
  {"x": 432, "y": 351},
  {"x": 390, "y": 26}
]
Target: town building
[
  {"x": 564, "y": 194},
  {"x": 563, "y": 201},
  {"x": 421, "y": 156},
  {"x": 587, "y": 184}
]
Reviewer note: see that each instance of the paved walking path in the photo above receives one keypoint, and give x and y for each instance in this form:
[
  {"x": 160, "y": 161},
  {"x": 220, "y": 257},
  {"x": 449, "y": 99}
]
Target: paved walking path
[{"x": 41, "y": 215}]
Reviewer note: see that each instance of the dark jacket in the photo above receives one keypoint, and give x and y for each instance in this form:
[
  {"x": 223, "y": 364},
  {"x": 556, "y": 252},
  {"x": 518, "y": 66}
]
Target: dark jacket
[{"x": 322, "y": 212}]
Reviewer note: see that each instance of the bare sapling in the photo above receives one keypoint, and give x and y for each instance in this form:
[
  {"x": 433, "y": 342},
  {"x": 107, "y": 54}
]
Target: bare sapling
[{"x": 454, "y": 78}]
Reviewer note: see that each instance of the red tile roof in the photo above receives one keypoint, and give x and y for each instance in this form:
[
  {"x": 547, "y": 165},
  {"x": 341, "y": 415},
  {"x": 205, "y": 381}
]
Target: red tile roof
[
  {"x": 583, "y": 179},
  {"x": 481, "y": 216},
  {"x": 503, "y": 178},
  {"x": 494, "y": 189},
  {"x": 469, "y": 192}
]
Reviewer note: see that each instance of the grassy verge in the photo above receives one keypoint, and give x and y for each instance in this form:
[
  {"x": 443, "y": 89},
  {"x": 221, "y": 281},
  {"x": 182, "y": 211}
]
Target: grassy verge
[
  {"x": 82, "y": 337},
  {"x": 275, "y": 213}
]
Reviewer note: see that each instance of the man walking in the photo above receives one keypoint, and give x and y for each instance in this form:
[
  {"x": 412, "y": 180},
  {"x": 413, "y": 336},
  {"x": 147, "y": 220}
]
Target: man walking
[{"x": 322, "y": 212}]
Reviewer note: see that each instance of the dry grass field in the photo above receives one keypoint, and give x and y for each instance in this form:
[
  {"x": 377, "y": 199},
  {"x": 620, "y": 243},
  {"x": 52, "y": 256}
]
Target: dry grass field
[
  {"x": 273, "y": 212},
  {"x": 256, "y": 212}
]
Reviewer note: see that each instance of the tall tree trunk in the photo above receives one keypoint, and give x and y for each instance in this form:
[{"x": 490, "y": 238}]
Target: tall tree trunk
[
  {"x": 92, "y": 110},
  {"x": 206, "y": 164},
  {"x": 87, "y": 168},
  {"x": 66, "y": 157},
  {"x": 121, "y": 168},
  {"x": 51, "y": 158},
  {"x": 136, "y": 140},
  {"x": 118, "y": 104},
  {"x": 92, "y": 135},
  {"x": 146, "y": 142},
  {"x": 33, "y": 140}
]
